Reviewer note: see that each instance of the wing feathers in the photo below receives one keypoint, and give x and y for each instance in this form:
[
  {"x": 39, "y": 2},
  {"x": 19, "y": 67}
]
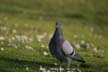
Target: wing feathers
[
  {"x": 67, "y": 48},
  {"x": 78, "y": 58}
]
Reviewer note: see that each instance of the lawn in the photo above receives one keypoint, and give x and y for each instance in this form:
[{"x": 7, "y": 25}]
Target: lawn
[{"x": 26, "y": 27}]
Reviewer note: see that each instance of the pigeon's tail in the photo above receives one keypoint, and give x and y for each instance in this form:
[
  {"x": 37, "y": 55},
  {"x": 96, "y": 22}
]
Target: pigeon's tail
[{"x": 78, "y": 58}]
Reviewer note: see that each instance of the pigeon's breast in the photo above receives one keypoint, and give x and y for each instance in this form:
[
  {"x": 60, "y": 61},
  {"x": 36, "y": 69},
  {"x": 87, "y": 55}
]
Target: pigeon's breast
[{"x": 60, "y": 41}]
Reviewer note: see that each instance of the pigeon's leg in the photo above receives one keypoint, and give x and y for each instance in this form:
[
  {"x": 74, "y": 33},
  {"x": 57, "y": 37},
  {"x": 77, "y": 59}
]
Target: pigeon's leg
[
  {"x": 68, "y": 67},
  {"x": 59, "y": 68}
]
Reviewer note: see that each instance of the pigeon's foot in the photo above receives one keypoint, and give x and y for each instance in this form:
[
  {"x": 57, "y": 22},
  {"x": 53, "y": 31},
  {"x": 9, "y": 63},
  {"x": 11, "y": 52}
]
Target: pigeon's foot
[{"x": 68, "y": 69}]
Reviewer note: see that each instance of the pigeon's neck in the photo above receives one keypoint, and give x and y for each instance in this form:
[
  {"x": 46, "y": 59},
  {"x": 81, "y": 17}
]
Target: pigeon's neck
[
  {"x": 58, "y": 32},
  {"x": 58, "y": 36}
]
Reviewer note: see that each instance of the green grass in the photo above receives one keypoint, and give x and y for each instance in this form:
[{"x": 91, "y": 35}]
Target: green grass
[{"x": 35, "y": 17}]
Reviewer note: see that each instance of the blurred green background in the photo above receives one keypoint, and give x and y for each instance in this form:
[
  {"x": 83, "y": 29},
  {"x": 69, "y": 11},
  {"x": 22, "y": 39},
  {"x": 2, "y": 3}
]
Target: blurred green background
[{"x": 26, "y": 27}]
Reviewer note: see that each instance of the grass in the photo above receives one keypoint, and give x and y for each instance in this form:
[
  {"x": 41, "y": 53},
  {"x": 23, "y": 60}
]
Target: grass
[{"x": 21, "y": 23}]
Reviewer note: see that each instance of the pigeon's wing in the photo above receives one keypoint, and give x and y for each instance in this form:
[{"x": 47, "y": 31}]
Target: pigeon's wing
[
  {"x": 78, "y": 58},
  {"x": 68, "y": 50}
]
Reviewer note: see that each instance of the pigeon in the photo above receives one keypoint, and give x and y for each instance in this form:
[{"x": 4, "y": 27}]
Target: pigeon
[{"x": 61, "y": 49}]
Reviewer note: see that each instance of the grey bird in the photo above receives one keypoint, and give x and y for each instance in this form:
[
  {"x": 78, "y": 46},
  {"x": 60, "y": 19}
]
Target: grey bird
[{"x": 62, "y": 49}]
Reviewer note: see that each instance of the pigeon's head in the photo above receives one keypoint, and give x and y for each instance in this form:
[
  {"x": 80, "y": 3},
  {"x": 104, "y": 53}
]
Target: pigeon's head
[{"x": 58, "y": 24}]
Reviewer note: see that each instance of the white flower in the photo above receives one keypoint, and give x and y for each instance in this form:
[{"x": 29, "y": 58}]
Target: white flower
[
  {"x": 41, "y": 36},
  {"x": 2, "y": 49},
  {"x": 14, "y": 31},
  {"x": 28, "y": 47},
  {"x": 76, "y": 36},
  {"x": 45, "y": 53},
  {"x": 82, "y": 42},
  {"x": 27, "y": 68},
  {"x": 77, "y": 46},
  {"x": 4, "y": 28},
  {"x": 43, "y": 46},
  {"x": 2, "y": 38},
  {"x": 23, "y": 38},
  {"x": 95, "y": 49},
  {"x": 42, "y": 69}
]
